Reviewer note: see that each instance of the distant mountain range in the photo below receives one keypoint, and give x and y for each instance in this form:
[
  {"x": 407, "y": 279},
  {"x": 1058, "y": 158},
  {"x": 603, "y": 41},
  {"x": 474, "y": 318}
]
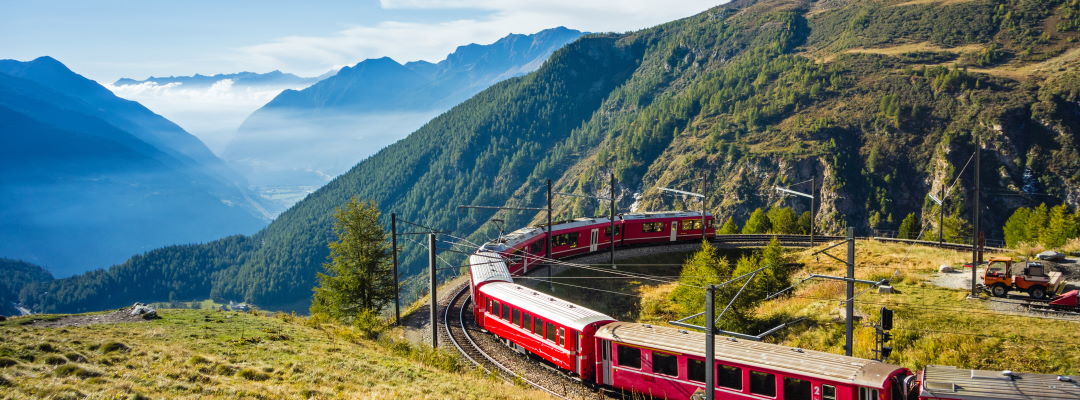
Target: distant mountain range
[
  {"x": 307, "y": 137},
  {"x": 90, "y": 178},
  {"x": 272, "y": 78}
]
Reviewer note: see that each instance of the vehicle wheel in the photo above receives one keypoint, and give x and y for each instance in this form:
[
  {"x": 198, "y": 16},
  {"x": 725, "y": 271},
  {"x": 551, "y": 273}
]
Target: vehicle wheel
[
  {"x": 999, "y": 290},
  {"x": 1037, "y": 292}
]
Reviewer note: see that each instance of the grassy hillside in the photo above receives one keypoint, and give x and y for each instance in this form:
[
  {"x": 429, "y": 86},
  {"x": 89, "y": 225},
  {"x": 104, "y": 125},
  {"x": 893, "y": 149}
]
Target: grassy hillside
[
  {"x": 933, "y": 325},
  {"x": 879, "y": 100},
  {"x": 225, "y": 355}
]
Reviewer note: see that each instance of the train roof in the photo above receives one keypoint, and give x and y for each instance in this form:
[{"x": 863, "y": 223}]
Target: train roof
[
  {"x": 972, "y": 384},
  {"x": 663, "y": 214},
  {"x": 814, "y": 364},
  {"x": 486, "y": 267},
  {"x": 545, "y": 306}
]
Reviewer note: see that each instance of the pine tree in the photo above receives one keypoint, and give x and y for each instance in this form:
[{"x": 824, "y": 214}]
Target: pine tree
[
  {"x": 358, "y": 283},
  {"x": 757, "y": 223},
  {"x": 1016, "y": 227},
  {"x": 729, "y": 227},
  {"x": 782, "y": 220},
  {"x": 804, "y": 223},
  {"x": 909, "y": 227}
]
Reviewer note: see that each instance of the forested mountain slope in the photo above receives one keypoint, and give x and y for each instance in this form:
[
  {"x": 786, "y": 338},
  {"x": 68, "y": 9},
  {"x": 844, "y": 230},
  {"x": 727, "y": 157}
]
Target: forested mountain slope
[
  {"x": 877, "y": 99},
  {"x": 89, "y": 178}
]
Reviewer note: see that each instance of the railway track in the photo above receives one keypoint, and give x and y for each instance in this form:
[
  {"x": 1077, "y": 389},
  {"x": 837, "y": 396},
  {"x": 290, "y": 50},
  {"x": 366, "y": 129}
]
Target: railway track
[
  {"x": 804, "y": 241},
  {"x": 489, "y": 354}
]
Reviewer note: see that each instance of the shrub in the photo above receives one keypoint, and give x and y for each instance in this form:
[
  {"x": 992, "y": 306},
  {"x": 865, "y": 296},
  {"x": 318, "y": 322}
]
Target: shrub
[
  {"x": 4, "y": 381},
  {"x": 46, "y": 347},
  {"x": 198, "y": 360},
  {"x": 76, "y": 371},
  {"x": 114, "y": 346},
  {"x": 55, "y": 360},
  {"x": 7, "y": 362},
  {"x": 252, "y": 375},
  {"x": 75, "y": 357}
]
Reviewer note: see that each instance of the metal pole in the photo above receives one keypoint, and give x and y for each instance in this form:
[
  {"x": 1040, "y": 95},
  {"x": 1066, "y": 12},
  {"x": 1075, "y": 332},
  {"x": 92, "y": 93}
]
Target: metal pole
[
  {"x": 850, "y": 303},
  {"x": 710, "y": 346},
  {"x": 941, "y": 212},
  {"x": 397, "y": 286},
  {"x": 813, "y": 201},
  {"x": 611, "y": 238},
  {"x": 434, "y": 299},
  {"x": 975, "y": 217},
  {"x": 551, "y": 285},
  {"x": 704, "y": 192}
]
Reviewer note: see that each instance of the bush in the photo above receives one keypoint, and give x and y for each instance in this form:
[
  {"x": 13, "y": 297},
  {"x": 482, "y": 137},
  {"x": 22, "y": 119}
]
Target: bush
[
  {"x": 75, "y": 357},
  {"x": 114, "y": 346},
  {"x": 55, "y": 360},
  {"x": 252, "y": 375},
  {"x": 7, "y": 362},
  {"x": 76, "y": 371},
  {"x": 46, "y": 347}
]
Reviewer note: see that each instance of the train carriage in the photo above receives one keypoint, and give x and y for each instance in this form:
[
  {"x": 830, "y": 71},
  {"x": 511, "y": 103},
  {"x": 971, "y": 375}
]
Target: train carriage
[
  {"x": 670, "y": 363},
  {"x": 553, "y": 329},
  {"x": 951, "y": 383},
  {"x": 659, "y": 227}
]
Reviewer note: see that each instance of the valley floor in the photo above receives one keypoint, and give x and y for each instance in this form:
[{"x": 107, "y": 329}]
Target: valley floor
[{"x": 227, "y": 355}]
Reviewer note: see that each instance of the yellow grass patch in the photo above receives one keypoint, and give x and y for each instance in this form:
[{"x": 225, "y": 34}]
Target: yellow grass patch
[{"x": 936, "y": 2}]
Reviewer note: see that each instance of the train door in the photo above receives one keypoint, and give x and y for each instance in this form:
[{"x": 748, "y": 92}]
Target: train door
[
  {"x": 605, "y": 345},
  {"x": 674, "y": 230},
  {"x": 594, "y": 239}
]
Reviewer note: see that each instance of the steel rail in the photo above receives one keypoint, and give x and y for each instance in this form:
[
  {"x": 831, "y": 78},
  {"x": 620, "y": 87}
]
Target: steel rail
[{"x": 461, "y": 323}]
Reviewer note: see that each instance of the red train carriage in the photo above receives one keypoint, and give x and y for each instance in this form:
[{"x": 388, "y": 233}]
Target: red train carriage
[
  {"x": 938, "y": 382},
  {"x": 658, "y": 227},
  {"x": 485, "y": 267},
  {"x": 670, "y": 363},
  {"x": 553, "y": 329}
]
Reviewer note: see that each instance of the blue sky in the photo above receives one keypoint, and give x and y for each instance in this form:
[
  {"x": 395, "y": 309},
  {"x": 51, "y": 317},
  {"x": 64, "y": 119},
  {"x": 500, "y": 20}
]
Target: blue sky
[{"x": 109, "y": 39}]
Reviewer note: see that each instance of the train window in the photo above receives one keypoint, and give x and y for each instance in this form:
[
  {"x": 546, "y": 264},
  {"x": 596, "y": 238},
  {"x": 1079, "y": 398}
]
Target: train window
[
  {"x": 629, "y": 357},
  {"x": 729, "y": 377},
  {"x": 796, "y": 389},
  {"x": 663, "y": 363},
  {"x": 828, "y": 392},
  {"x": 695, "y": 370},
  {"x": 868, "y": 394},
  {"x": 538, "y": 327},
  {"x": 550, "y": 331},
  {"x": 562, "y": 337},
  {"x": 652, "y": 227},
  {"x": 691, "y": 224},
  {"x": 607, "y": 231},
  {"x": 526, "y": 320},
  {"x": 506, "y": 312},
  {"x": 517, "y": 317},
  {"x": 566, "y": 239},
  {"x": 763, "y": 383},
  {"x": 494, "y": 309}
]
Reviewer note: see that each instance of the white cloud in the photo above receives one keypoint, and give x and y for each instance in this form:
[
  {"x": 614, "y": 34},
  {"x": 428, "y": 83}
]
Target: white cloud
[
  {"x": 211, "y": 113},
  {"x": 409, "y": 41}
]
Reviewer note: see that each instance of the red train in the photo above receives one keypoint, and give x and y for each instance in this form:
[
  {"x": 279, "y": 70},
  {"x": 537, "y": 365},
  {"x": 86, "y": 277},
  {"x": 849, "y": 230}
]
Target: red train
[{"x": 669, "y": 363}]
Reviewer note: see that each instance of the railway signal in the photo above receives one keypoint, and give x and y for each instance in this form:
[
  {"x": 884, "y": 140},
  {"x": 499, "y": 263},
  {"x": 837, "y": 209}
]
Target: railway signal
[{"x": 883, "y": 336}]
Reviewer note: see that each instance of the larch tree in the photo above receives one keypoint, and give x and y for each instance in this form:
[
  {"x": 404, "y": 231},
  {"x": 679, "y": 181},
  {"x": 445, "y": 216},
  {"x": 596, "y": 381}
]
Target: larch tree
[
  {"x": 358, "y": 282},
  {"x": 757, "y": 223}
]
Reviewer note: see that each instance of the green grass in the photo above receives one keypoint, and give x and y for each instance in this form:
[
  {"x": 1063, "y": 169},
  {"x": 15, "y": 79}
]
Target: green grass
[
  {"x": 933, "y": 325},
  {"x": 200, "y": 354}
]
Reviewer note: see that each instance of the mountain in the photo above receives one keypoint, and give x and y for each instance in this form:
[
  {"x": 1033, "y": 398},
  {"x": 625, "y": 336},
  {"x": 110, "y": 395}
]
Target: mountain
[
  {"x": 304, "y": 138},
  {"x": 15, "y": 274},
  {"x": 876, "y": 99},
  {"x": 90, "y": 179},
  {"x": 272, "y": 78}
]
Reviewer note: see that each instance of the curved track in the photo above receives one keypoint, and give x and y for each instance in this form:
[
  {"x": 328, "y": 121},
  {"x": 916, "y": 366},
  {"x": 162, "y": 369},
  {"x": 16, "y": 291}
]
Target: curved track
[{"x": 486, "y": 352}]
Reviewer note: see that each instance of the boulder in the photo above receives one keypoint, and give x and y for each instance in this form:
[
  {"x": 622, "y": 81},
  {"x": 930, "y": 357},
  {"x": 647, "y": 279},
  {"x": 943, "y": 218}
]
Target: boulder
[
  {"x": 885, "y": 289},
  {"x": 143, "y": 310},
  {"x": 946, "y": 268}
]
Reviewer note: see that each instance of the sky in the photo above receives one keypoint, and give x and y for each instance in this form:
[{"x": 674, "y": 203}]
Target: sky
[{"x": 106, "y": 40}]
